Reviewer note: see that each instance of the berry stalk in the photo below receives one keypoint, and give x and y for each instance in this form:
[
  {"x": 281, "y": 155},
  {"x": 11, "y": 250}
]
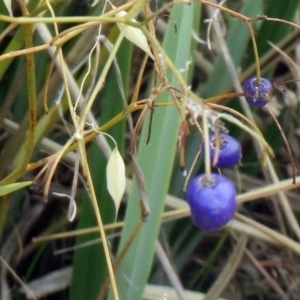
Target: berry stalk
[
  {"x": 257, "y": 65},
  {"x": 206, "y": 146},
  {"x": 294, "y": 171}
]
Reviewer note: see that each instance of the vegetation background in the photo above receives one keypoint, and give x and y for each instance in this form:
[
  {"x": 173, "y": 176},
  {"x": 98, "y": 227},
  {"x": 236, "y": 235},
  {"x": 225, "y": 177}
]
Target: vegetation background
[{"x": 68, "y": 73}]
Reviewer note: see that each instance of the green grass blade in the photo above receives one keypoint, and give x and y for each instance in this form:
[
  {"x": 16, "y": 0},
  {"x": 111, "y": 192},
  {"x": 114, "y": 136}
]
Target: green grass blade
[
  {"x": 9, "y": 188},
  {"x": 156, "y": 161}
]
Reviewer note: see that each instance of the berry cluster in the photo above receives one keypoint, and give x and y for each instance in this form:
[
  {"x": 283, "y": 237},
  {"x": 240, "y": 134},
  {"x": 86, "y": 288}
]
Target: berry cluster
[{"x": 212, "y": 200}]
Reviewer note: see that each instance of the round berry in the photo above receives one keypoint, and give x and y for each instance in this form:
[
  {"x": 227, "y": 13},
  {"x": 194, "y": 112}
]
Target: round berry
[
  {"x": 225, "y": 150},
  {"x": 258, "y": 93},
  {"x": 212, "y": 202}
]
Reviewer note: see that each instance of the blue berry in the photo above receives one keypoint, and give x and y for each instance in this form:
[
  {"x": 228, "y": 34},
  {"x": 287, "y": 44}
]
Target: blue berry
[
  {"x": 258, "y": 93},
  {"x": 227, "y": 150},
  {"x": 212, "y": 202}
]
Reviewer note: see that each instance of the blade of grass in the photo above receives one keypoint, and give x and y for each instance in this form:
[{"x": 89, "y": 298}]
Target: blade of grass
[{"x": 156, "y": 162}]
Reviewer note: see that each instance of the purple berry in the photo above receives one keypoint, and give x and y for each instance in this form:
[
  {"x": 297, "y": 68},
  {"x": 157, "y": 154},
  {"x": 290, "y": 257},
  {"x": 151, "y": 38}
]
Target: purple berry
[
  {"x": 258, "y": 93},
  {"x": 224, "y": 148},
  {"x": 212, "y": 203}
]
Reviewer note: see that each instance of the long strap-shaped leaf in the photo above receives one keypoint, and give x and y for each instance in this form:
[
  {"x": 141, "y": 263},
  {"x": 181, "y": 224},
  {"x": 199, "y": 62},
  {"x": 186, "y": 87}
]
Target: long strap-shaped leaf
[{"x": 156, "y": 161}]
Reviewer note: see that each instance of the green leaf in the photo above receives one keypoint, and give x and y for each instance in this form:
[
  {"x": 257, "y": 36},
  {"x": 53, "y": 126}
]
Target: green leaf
[
  {"x": 9, "y": 188},
  {"x": 156, "y": 162}
]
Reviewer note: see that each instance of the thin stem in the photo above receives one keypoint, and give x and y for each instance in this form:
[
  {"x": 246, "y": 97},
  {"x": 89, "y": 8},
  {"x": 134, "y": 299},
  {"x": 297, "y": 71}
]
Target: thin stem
[
  {"x": 64, "y": 75},
  {"x": 219, "y": 98},
  {"x": 90, "y": 186},
  {"x": 150, "y": 125},
  {"x": 53, "y": 163},
  {"x": 244, "y": 119},
  {"x": 28, "y": 291},
  {"x": 256, "y": 55},
  {"x": 190, "y": 171},
  {"x": 283, "y": 21},
  {"x": 101, "y": 80},
  {"x": 226, "y": 10},
  {"x": 206, "y": 145},
  {"x": 109, "y": 17},
  {"x": 287, "y": 145},
  {"x": 121, "y": 256}
]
